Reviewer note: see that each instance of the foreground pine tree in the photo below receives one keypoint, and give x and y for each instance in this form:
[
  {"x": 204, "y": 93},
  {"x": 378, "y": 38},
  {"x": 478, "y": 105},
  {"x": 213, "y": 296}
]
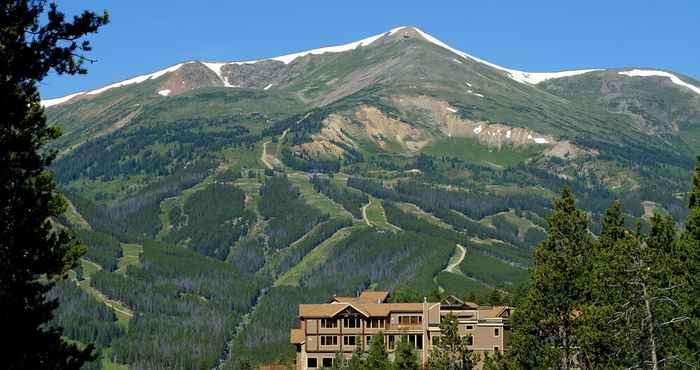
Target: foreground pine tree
[
  {"x": 626, "y": 300},
  {"x": 406, "y": 357},
  {"x": 548, "y": 321},
  {"x": 640, "y": 296},
  {"x": 688, "y": 265},
  {"x": 598, "y": 348},
  {"x": 377, "y": 356},
  {"x": 30, "y": 250}
]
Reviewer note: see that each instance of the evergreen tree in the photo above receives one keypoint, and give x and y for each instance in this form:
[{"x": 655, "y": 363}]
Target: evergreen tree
[
  {"x": 598, "y": 349},
  {"x": 547, "y": 322},
  {"x": 33, "y": 41},
  {"x": 357, "y": 361},
  {"x": 451, "y": 352},
  {"x": 688, "y": 266},
  {"x": 406, "y": 357},
  {"x": 694, "y": 195},
  {"x": 647, "y": 317},
  {"x": 377, "y": 356},
  {"x": 496, "y": 362},
  {"x": 339, "y": 362}
]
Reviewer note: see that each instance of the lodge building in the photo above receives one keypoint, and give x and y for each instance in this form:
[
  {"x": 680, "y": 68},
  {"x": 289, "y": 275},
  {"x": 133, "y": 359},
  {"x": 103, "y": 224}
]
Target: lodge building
[{"x": 346, "y": 323}]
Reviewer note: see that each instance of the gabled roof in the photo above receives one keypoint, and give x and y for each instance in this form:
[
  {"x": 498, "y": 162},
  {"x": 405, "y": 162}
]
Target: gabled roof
[
  {"x": 370, "y": 296},
  {"x": 329, "y": 309},
  {"x": 356, "y": 307}
]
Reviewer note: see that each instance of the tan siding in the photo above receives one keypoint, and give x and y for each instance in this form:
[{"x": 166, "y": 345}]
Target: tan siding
[{"x": 312, "y": 326}]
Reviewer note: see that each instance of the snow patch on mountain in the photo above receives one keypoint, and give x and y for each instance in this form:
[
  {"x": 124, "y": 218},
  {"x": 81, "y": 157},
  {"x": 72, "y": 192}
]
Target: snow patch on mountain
[
  {"x": 131, "y": 81},
  {"x": 267, "y": 87},
  {"x": 654, "y": 73},
  {"x": 520, "y": 76},
  {"x": 216, "y": 68},
  {"x": 537, "y": 77},
  {"x": 165, "y": 92},
  {"x": 51, "y": 102},
  {"x": 286, "y": 59},
  {"x": 138, "y": 79}
]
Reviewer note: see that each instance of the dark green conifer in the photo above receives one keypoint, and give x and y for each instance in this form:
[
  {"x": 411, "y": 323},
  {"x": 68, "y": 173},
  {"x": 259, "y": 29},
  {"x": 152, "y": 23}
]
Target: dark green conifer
[
  {"x": 34, "y": 40},
  {"x": 406, "y": 357},
  {"x": 377, "y": 356},
  {"x": 547, "y": 323}
]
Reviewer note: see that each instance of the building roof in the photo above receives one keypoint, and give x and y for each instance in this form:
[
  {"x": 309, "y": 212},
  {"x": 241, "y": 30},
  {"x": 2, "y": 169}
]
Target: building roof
[
  {"x": 370, "y": 296},
  {"x": 494, "y": 312},
  {"x": 297, "y": 336},
  {"x": 373, "y": 304},
  {"x": 366, "y": 309}
]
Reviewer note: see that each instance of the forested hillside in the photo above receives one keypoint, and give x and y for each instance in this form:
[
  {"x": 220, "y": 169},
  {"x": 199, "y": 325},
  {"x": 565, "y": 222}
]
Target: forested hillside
[{"x": 211, "y": 212}]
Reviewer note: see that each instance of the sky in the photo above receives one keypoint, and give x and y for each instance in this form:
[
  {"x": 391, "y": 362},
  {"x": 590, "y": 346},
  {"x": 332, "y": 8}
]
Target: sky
[{"x": 534, "y": 36}]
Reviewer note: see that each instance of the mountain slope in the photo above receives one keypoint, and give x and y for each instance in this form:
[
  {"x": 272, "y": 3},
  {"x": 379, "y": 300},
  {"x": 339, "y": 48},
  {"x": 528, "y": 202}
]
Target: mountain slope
[{"x": 265, "y": 170}]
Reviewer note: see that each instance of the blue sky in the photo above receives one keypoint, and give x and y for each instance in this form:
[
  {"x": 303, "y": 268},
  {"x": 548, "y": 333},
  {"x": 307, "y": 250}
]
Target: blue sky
[{"x": 536, "y": 36}]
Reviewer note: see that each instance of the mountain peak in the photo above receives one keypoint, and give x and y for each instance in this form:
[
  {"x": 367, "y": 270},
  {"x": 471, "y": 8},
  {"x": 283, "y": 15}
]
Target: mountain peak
[{"x": 402, "y": 31}]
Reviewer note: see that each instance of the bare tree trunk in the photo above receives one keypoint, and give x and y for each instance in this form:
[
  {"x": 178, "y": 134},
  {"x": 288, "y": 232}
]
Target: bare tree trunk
[{"x": 650, "y": 322}]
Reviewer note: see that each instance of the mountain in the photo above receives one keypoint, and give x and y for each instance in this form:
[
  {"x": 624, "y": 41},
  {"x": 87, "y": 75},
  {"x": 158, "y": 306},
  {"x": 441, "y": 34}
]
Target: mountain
[{"x": 214, "y": 197}]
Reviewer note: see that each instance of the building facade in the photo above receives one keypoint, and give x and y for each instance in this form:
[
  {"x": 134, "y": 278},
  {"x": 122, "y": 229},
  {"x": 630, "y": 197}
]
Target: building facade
[{"x": 347, "y": 323}]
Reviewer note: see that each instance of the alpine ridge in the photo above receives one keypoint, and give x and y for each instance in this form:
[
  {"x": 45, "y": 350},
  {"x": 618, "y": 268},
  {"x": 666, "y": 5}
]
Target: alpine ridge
[{"x": 216, "y": 67}]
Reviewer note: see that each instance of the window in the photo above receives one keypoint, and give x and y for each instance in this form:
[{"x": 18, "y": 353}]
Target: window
[
  {"x": 410, "y": 320},
  {"x": 351, "y": 322},
  {"x": 329, "y": 323},
  {"x": 329, "y": 340},
  {"x": 496, "y": 332},
  {"x": 435, "y": 340},
  {"x": 416, "y": 340},
  {"x": 369, "y": 340},
  {"x": 349, "y": 340},
  {"x": 311, "y": 363},
  {"x": 496, "y": 349},
  {"x": 375, "y": 323},
  {"x": 327, "y": 362},
  {"x": 469, "y": 327},
  {"x": 391, "y": 342},
  {"x": 469, "y": 339}
]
